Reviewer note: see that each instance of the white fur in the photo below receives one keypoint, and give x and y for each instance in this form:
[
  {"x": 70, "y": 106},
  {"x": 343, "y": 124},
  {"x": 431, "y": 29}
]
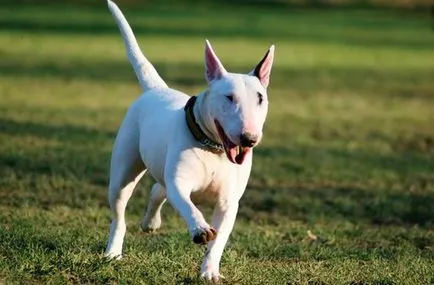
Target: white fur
[{"x": 154, "y": 137}]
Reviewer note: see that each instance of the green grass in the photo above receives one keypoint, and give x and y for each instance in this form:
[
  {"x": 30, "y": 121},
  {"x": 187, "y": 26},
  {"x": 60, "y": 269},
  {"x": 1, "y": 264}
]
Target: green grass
[{"x": 348, "y": 149}]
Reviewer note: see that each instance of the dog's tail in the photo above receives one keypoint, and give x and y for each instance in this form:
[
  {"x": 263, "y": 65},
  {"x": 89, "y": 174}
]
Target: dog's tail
[{"x": 145, "y": 72}]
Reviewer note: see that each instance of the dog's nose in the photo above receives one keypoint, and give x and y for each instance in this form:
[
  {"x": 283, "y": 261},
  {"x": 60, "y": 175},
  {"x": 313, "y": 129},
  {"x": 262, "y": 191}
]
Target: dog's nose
[{"x": 248, "y": 139}]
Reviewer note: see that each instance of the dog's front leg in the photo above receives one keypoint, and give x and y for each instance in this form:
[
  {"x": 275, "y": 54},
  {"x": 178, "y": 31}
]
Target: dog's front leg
[
  {"x": 223, "y": 220},
  {"x": 178, "y": 194}
]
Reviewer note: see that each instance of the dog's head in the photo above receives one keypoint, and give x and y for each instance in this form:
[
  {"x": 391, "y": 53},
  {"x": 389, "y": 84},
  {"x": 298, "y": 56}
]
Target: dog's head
[{"x": 236, "y": 104}]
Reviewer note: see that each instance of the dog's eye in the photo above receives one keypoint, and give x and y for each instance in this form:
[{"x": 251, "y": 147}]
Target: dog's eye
[
  {"x": 260, "y": 98},
  {"x": 230, "y": 98}
]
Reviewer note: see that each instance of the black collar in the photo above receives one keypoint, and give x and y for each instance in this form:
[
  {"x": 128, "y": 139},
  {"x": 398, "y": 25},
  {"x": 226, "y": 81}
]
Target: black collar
[{"x": 196, "y": 131}]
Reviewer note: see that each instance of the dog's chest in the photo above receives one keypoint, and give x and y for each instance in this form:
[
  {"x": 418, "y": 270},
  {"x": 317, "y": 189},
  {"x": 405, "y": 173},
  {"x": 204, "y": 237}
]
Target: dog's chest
[{"x": 212, "y": 190}]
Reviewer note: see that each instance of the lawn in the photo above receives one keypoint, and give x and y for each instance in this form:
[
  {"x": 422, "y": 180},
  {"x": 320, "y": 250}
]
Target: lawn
[{"x": 348, "y": 151}]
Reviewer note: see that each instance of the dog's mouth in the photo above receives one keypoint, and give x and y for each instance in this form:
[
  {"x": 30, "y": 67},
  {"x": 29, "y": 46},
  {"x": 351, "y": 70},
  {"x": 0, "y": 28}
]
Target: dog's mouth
[{"x": 235, "y": 153}]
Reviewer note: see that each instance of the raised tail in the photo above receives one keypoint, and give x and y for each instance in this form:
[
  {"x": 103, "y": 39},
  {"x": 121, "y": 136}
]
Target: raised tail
[{"x": 145, "y": 72}]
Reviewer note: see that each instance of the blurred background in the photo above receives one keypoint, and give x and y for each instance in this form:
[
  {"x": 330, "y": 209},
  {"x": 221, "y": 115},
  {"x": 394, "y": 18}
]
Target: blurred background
[{"x": 348, "y": 150}]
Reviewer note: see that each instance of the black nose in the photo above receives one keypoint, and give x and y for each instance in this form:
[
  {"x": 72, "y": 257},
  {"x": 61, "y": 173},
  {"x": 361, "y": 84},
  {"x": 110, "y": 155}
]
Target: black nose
[{"x": 248, "y": 139}]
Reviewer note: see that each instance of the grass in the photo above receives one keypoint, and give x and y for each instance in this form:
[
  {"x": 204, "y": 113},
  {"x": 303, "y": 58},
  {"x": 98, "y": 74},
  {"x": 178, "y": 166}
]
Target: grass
[{"x": 348, "y": 149}]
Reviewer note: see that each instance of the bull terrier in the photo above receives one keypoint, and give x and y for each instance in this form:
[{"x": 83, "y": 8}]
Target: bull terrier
[{"x": 196, "y": 148}]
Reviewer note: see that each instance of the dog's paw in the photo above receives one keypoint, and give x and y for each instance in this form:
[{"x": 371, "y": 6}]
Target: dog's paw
[
  {"x": 151, "y": 225},
  {"x": 113, "y": 256},
  {"x": 204, "y": 235},
  {"x": 211, "y": 276},
  {"x": 149, "y": 230}
]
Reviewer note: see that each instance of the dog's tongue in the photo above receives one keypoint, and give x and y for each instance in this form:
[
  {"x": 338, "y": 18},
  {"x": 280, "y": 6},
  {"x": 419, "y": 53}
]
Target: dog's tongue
[{"x": 236, "y": 154}]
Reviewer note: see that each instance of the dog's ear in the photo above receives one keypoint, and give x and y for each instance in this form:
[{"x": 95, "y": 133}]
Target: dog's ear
[
  {"x": 263, "y": 69},
  {"x": 213, "y": 67}
]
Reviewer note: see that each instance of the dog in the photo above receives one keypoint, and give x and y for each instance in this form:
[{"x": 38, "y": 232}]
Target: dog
[{"x": 196, "y": 148}]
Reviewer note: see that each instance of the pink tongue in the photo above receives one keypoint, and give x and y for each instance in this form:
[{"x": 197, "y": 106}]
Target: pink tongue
[
  {"x": 234, "y": 158},
  {"x": 232, "y": 154}
]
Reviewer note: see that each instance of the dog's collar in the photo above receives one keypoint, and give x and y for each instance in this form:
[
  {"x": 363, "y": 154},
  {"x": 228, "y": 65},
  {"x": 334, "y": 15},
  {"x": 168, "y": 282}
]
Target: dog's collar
[{"x": 196, "y": 131}]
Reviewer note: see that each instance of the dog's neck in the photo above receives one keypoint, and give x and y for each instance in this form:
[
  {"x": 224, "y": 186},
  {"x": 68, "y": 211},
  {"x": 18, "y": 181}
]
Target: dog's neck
[{"x": 199, "y": 111}]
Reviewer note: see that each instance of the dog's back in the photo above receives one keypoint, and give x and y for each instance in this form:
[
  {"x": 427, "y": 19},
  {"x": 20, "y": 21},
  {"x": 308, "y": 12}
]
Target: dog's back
[{"x": 158, "y": 113}]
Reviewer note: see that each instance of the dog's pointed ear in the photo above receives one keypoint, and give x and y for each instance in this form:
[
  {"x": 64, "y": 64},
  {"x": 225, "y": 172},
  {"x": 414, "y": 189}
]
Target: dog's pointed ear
[
  {"x": 263, "y": 70},
  {"x": 213, "y": 67}
]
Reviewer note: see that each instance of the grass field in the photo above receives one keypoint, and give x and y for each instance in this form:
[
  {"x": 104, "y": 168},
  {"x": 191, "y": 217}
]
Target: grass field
[{"x": 348, "y": 149}]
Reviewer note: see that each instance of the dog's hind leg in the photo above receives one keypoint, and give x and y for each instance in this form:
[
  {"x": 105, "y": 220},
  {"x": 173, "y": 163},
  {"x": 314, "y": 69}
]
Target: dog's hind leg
[
  {"x": 152, "y": 219},
  {"x": 125, "y": 172}
]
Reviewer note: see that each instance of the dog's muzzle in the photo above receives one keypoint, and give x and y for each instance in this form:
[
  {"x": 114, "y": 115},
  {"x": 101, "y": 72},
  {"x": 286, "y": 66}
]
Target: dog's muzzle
[
  {"x": 235, "y": 153},
  {"x": 248, "y": 139}
]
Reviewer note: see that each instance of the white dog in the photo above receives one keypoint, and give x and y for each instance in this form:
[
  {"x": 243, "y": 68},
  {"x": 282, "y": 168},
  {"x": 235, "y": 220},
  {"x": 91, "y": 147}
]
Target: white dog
[{"x": 197, "y": 148}]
